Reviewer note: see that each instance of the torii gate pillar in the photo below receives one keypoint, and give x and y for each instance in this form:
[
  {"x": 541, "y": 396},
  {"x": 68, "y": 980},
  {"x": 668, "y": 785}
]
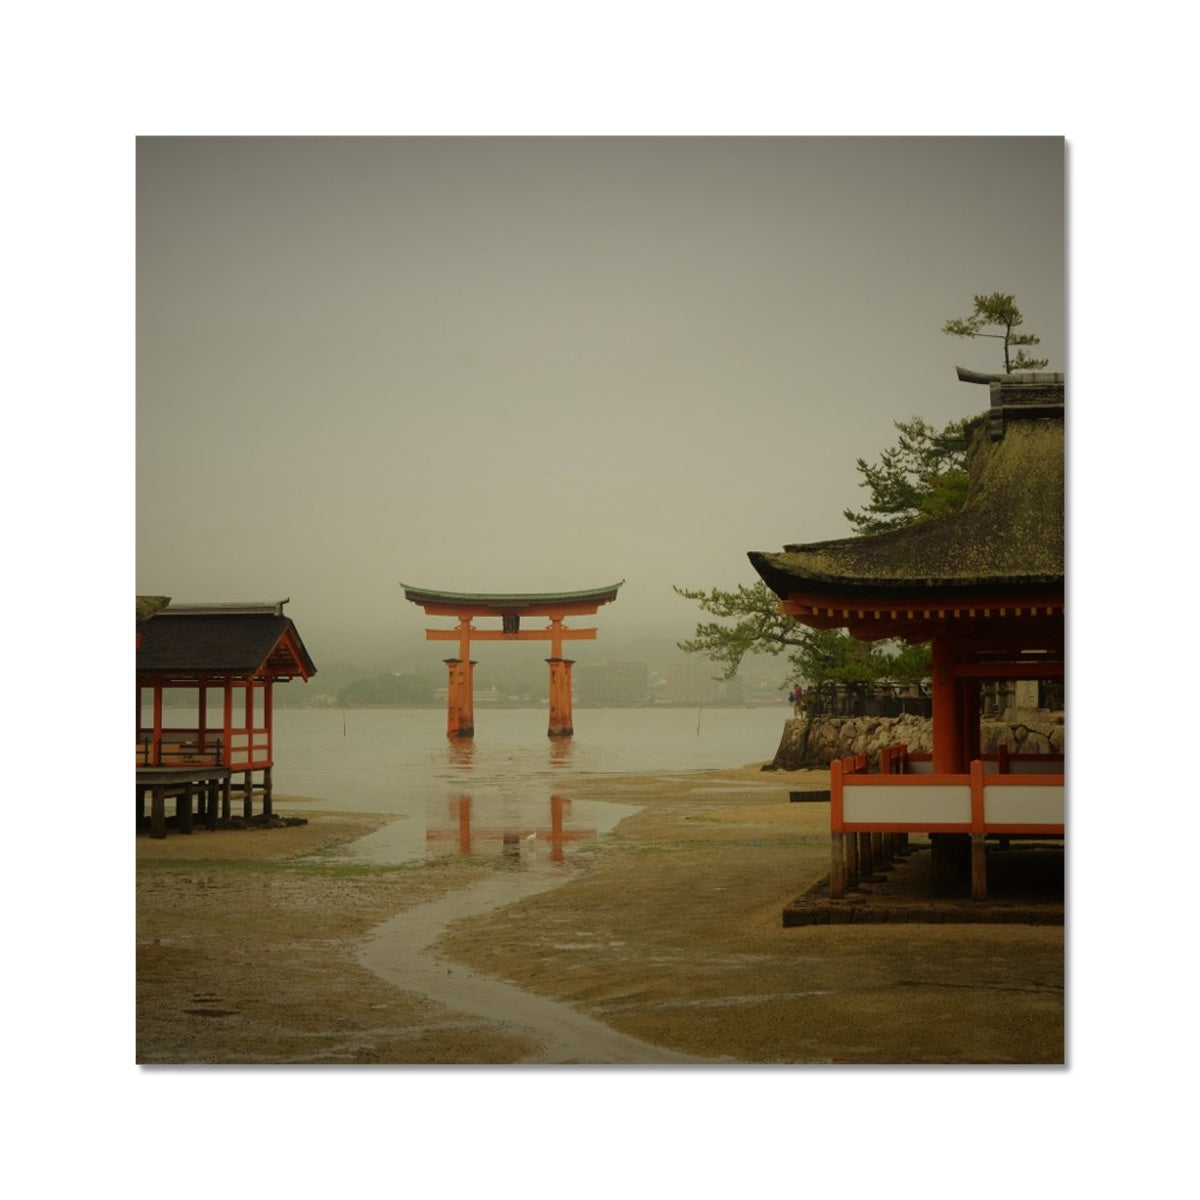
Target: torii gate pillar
[
  {"x": 460, "y": 698},
  {"x": 511, "y": 609},
  {"x": 561, "y": 723}
]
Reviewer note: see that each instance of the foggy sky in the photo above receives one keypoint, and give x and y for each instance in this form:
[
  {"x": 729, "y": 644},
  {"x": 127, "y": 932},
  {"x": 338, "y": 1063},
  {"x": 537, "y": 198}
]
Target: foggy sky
[{"x": 510, "y": 364}]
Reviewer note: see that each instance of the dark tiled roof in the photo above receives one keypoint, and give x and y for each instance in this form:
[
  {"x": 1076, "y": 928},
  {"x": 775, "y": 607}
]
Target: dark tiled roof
[
  {"x": 1009, "y": 536},
  {"x": 215, "y": 643}
]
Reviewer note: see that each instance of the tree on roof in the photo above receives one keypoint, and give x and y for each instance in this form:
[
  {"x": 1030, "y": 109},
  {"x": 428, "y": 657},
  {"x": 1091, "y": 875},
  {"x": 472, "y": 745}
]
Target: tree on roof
[
  {"x": 995, "y": 312},
  {"x": 923, "y": 475},
  {"x": 815, "y": 657}
]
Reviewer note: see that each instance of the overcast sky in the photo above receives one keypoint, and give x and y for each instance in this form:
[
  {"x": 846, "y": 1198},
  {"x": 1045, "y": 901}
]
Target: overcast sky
[{"x": 522, "y": 364}]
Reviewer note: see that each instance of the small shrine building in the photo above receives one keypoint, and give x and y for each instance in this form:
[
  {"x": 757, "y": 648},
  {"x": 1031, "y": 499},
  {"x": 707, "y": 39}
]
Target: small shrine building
[
  {"x": 984, "y": 586},
  {"x": 218, "y": 665},
  {"x": 511, "y": 608}
]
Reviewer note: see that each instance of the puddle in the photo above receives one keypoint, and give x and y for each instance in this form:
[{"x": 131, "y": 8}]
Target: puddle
[
  {"x": 537, "y": 837},
  {"x": 401, "y": 952},
  {"x": 488, "y": 823}
]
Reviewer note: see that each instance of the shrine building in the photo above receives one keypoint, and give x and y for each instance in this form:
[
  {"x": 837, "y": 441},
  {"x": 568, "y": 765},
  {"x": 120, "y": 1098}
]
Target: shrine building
[
  {"x": 222, "y": 662},
  {"x": 510, "y": 608},
  {"x": 984, "y": 586}
]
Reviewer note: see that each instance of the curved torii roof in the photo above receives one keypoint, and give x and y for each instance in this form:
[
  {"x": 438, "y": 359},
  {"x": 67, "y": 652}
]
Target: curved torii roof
[{"x": 534, "y": 604}]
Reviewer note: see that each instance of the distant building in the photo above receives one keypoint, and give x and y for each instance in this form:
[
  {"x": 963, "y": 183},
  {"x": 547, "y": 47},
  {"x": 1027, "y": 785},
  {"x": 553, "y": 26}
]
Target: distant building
[
  {"x": 612, "y": 683},
  {"x": 693, "y": 683}
]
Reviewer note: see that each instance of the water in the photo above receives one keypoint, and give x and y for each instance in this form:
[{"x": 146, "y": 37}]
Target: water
[{"x": 508, "y": 789}]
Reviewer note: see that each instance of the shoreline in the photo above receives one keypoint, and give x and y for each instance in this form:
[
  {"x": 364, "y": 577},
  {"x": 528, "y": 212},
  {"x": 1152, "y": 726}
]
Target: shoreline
[{"x": 668, "y": 930}]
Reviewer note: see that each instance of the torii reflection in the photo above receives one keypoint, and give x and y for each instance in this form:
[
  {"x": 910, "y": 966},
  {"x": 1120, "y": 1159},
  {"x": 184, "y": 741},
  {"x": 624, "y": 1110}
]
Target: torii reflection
[
  {"x": 460, "y": 752},
  {"x": 515, "y": 841}
]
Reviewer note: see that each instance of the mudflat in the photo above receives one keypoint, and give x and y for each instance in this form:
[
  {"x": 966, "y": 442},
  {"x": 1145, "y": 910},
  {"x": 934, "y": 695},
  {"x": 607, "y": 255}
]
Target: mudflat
[{"x": 660, "y": 942}]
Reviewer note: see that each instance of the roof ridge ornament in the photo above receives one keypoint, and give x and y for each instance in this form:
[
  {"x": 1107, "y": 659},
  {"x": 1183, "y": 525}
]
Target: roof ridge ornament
[{"x": 1022, "y": 395}]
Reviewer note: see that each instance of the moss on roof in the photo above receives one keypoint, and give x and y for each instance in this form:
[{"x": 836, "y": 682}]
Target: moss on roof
[
  {"x": 1009, "y": 534},
  {"x": 147, "y": 606}
]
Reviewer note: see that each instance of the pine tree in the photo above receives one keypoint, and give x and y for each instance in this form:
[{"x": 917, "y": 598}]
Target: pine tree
[{"x": 998, "y": 310}]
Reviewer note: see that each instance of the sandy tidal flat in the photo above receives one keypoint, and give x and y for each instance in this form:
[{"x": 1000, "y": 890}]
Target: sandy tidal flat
[{"x": 659, "y": 943}]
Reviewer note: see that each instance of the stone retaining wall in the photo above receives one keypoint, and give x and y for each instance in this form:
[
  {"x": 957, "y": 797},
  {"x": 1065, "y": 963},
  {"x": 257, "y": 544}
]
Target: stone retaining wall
[{"x": 836, "y": 737}]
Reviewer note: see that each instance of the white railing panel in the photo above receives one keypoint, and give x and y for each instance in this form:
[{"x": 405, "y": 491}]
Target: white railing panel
[
  {"x": 935, "y": 803},
  {"x": 1017, "y": 804}
]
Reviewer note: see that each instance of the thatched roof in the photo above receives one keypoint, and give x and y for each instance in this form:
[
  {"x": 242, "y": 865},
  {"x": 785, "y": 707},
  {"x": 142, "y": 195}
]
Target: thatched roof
[
  {"x": 147, "y": 606},
  {"x": 1008, "y": 539}
]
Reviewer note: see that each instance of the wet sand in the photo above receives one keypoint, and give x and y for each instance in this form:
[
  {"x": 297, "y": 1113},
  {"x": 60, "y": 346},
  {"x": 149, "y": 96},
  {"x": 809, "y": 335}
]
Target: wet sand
[{"x": 660, "y": 942}]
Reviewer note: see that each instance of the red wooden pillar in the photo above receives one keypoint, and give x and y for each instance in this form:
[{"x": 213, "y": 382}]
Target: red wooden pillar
[
  {"x": 948, "y": 758},
  {"x": 156, "y": 745},
  {"x": 248, "y": 778},
  {"x": 227, "y": 728},
  {"x": 460, "y": 698},
  {"x": 561, "y": 721},
  {"x": 968, "y": 699},
  {"x": 268, "y": 724},
  {"x": 946, "y": 712}
]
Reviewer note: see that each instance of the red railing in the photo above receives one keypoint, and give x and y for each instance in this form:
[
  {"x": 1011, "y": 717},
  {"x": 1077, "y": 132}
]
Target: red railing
[
  {"x": 247, "y": 749},
  {"x": 897, "y": 800}
]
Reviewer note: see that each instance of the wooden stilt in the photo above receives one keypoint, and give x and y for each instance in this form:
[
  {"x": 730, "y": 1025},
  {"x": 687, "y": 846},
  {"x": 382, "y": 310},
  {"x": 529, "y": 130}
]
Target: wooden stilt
[
  {"x": 866, "y": 859},
  {"x": 850, "y": 851},
  {"x": 978, "y": 866},
  {"x": 183, "y": 808},
  {"x": 158, "y": 814},
  {"x": 837, "y": 866}
]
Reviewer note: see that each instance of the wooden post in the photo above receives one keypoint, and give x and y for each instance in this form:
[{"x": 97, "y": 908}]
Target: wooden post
[
  {"x": 464, "y": 825},
  {"x": 248, "y": 795},
  {"x": 877, "y": 860},
  {"x": 978, "y": 866},
  {"x": 158, "y": 814},
  {"x": 866, "y": 861},
  {"x": 557, "y": 804},
  {"x": 837, "y": 835},
  {"x": 850, "y": 850},
  {"x": 183, "y": 807},
  {"x": 978, "y": 833},
  {"x": 837, "y": 866},
  {"x": 268, "y": 725}
]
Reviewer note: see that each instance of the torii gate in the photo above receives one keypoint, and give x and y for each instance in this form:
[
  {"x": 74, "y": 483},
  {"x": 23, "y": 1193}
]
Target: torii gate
[{"x": 510, "y": 608}]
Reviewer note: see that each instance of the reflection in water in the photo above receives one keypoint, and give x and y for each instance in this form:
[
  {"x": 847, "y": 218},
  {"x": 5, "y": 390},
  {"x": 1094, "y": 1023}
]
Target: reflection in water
[
  {"x": 464, "y": 831},
  {"x": 560, "y": 751},
  {"x": 461, "y": 752}
]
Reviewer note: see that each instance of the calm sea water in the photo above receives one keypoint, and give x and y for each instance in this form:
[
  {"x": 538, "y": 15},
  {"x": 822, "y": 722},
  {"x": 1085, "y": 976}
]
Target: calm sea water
[{"x": 499, "y": 783}]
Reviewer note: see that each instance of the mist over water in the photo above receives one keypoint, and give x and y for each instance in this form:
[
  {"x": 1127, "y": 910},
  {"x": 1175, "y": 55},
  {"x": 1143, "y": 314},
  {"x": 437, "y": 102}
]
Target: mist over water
[
  {"x": 380, "y": 759},
  {"x": 467, "y": 796}
]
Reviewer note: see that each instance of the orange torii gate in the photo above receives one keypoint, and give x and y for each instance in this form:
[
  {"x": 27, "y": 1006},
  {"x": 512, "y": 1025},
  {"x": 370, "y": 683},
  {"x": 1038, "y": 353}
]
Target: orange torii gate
[{"x": 510, "y": 608}]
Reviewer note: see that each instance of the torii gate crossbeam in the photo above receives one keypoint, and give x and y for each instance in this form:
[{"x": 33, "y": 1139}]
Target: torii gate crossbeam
[{"x": 511, "y": 608}]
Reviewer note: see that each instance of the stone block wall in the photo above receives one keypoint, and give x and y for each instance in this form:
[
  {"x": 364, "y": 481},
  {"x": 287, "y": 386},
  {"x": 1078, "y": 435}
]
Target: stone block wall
[{"x": 836, "y": 737}]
